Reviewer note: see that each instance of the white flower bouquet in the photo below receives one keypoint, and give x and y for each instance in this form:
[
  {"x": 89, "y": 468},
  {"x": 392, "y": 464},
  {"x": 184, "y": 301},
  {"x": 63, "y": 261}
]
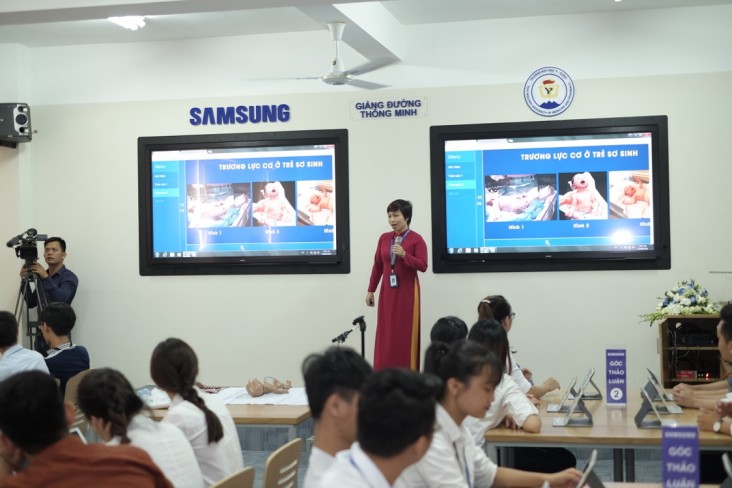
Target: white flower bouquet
[{"x": 686, "y": 298}]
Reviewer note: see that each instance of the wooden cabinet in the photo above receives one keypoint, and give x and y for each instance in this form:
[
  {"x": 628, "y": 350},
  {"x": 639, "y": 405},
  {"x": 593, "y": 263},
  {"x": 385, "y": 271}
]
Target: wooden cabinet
[{"x": 688, "y": 350}]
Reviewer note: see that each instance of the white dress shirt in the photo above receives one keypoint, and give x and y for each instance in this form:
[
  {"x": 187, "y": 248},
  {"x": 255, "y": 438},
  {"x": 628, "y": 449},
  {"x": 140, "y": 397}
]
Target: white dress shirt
[
  {"x": 508, "y": 399},
  {"x": 318, "y": 464},
  {"x": 452, "y": 461},
  {"x": 353, "y": 469},
  {"x": 17, "y": 358},
  {"x": 218, "y": 459},
  {"x": 168, "y": 448},
  {"x": 517, "y": 375}
]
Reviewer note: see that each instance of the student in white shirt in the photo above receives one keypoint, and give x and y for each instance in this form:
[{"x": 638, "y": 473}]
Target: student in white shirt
[
  {"x": 496, "y": 307},
  {"x": 16, "y": 358},
  {"x": 510, "y": 406},
  {"x": 513, "y": 409},
  {"x": 333, "y": 382},
  {"x": 469, "y": 373},
  {"x": 396, "y": 418},
  {"x": 114, "y": 410},
  {"x": 204, "y": 419}
]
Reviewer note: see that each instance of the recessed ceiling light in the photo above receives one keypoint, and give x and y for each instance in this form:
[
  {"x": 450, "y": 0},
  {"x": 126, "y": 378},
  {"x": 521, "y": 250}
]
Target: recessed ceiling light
[{"x": 131, "y": 22}]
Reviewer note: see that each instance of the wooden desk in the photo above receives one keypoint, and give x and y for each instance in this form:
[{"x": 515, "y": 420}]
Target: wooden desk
[
  {"x": 613, "y": 427},
  {"x": 285, "y": 416}
]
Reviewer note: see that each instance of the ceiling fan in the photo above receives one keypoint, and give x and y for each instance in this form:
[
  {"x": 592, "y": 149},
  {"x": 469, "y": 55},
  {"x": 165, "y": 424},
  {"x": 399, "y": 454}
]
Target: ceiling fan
[{"x": 338, "y": 75}]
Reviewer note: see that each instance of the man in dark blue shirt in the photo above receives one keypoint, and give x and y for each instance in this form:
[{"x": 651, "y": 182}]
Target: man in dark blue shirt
[
  {"x": 58, "y": 283},
  {"x": 65, "y": 359}
]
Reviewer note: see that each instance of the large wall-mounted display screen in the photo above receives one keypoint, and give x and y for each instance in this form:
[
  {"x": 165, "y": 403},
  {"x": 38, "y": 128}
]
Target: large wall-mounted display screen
[
  {"x": 272, "y": 202},
  {"x": 559, "y": 195}
]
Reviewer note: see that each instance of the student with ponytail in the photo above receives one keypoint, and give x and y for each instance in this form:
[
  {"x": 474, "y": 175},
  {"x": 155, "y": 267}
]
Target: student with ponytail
[
  {"x": 512, "y": 409},
  {"x": 469, "y": 374},
  {"x": 496, "y": 307},
  {"x": 116, "y": 413},
  {"x": 204, "y": 420}
]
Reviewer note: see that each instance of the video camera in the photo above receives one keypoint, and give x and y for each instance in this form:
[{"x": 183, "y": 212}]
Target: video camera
[{"x": 26, "y": 244}]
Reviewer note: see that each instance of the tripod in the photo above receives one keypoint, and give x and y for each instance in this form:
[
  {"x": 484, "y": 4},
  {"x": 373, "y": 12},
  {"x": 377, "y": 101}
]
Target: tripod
[
  {"x": 357, "y": 322},
  {"x": 28, "y": 297}
]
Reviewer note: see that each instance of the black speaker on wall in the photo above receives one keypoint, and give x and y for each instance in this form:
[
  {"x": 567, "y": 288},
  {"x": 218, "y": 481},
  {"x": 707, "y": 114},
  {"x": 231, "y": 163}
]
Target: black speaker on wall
[{"x": 15, "y": 123}]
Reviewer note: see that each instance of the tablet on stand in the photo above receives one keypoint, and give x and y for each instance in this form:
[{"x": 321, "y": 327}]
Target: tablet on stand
[
  {"x": 660, "y": 392},
  {"x": 656, "y": 422},
  {"x": 562, "y": 406},
  {"x": 577, "y": 408}
]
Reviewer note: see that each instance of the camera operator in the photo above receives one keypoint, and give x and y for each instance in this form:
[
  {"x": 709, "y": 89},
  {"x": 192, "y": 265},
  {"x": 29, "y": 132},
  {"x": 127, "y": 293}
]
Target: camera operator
[{"x": 59, "y": 283}]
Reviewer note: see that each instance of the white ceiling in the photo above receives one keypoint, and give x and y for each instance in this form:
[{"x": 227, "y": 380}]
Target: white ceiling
[
  {"x": 269, "y": 46},
  {"x": 72, "y": 22}
]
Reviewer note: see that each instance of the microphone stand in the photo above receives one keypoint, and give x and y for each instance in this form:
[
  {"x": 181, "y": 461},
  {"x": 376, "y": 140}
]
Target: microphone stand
[{"x": 361, "y": 324}]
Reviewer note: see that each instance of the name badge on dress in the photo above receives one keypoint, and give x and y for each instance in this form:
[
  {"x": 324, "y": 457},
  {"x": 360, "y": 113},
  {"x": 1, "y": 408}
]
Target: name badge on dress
[{"x": 393, "y": 281}]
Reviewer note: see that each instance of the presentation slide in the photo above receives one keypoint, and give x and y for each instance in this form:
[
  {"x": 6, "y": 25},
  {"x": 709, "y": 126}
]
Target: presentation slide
[
  {"x": 565, "y": 193},
  {"x": 244, "y": 201}
]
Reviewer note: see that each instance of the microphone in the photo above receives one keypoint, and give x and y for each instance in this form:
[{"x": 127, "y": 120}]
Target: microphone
[
  {"x": 397, "y": 241},
  {"x": 14, "y": 241},
  {"x": 357, "y": 320}
]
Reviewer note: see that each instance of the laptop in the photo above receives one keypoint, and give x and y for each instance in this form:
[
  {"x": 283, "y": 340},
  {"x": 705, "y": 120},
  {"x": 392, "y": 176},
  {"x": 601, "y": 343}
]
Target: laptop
[{"x": 561, "y": 407}]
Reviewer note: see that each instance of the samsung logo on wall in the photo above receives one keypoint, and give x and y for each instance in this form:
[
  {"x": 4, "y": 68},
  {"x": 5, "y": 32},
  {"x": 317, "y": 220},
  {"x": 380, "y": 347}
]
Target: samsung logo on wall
[{"x": 241, "y": 114}]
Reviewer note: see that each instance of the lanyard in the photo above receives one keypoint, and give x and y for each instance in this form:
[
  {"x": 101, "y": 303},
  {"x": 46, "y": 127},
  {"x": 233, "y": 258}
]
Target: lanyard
[
  {"x": 353, "y": 463},
  {"x": 393, "y": 240},
  {"x": 464, "y": 463}
]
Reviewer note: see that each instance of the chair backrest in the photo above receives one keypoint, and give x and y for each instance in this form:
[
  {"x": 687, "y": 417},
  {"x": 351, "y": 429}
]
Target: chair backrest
[
  {"x": 244, "y": 478},
  {"x": 72, "y": 386},
  {"x": 280, "y": 471}
]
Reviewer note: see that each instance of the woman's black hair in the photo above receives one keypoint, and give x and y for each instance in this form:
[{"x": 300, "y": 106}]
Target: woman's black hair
[
  {"x": 174, "y": 367},
  {"x": 494, "y": 307},
  {"x": 460, "y": 360},
  {"x": 403, "y": 206},
  {"x": 105, "y": 393},
  {"x": 491, "y": 334}
]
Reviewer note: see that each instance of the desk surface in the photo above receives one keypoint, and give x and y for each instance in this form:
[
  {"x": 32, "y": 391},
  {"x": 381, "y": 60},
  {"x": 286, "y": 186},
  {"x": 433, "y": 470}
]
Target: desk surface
[
  {"x": 260, "y": 414},
  {"x": 613, "y": 427}
]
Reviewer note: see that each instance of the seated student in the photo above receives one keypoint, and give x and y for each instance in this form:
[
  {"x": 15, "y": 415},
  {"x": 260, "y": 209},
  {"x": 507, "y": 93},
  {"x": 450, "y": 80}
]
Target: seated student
[
  {"x": 114, "y": 410},
  {"x": 448, "y": 329},
  {"x": 396, "y": 418},
  {"x": 203, "y": 418},
  {"x": 65, "y": 359},
  {"x": 333, "y": 382},
  {"x": 15, "y": 357},
  {"x": 513, "y": 409},
  {"x": 497, "y": 308},
  {"x": 469, "y": 374},
  {"x": 36, "y": 445}
]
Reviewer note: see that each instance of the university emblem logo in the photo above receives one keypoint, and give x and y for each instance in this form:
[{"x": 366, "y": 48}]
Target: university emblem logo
[{"x": 549, "y": 91}]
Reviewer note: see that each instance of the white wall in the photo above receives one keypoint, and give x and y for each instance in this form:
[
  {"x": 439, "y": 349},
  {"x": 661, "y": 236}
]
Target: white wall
[{"x": 83, "y": 172}]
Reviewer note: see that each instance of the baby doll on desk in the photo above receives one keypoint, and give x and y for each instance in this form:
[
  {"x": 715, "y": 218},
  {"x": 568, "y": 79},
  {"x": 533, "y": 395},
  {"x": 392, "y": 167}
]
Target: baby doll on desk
[
  {"x": 274, "y": 208},
  {"x": 583, "y": 201}
]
